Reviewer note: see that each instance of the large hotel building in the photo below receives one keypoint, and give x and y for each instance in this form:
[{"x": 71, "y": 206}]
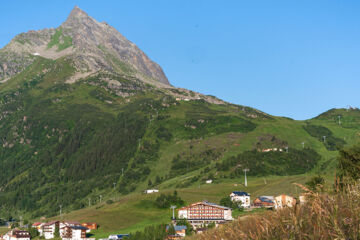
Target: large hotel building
[{"x": 203, "y": 213}]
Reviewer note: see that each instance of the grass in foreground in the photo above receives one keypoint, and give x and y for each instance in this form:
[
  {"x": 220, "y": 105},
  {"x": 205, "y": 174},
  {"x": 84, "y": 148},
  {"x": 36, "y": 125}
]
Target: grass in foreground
[{"x": 325, "y": 216}]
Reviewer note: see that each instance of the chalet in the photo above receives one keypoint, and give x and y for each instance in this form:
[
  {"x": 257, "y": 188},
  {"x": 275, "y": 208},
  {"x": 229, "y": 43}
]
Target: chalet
[
  {"x": 242, "y": 197},
  {"x": 202, "y": 213},
  {"x": 265, "y": 201},
  {"x": 90, "y": 225},
  {"x": 73, "y": 232},
  {"x": 179, "y": 230},
  {"x": 48, "y": 229},
  {"x": 37, "y": 225},
  {"x": 17, "y": 234},
  {"x": 148, "y": 191},
  {"x": 283, "y": 200}
]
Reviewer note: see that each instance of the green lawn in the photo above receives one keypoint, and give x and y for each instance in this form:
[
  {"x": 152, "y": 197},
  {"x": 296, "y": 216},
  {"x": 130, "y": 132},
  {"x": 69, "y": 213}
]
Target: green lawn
[
  {"x": 3, "y": 230},
  {"x": 136, "y": 211}
]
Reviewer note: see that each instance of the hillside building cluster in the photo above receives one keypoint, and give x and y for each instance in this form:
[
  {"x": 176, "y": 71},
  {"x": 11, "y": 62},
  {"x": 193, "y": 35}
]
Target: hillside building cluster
[
  {"x": 199, "y": 215},
  {"x": 66, "y": 230}
]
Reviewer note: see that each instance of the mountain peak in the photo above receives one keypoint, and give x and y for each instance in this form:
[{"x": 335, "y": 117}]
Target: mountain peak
[
  {"x": 77, "y": 13},
  {"x": 92, "y": 45},
  {"x": 76, "y": 17}
]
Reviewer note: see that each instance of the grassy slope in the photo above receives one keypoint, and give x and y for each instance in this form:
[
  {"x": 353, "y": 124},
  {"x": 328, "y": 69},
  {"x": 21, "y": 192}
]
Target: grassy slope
[
  {"x": 128, "y": 214},
  {"x": 135, "y": 211}
]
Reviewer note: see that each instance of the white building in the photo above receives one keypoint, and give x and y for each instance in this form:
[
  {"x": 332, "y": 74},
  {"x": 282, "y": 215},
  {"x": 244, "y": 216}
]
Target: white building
[
  {"x": 202, "y": 213},
  {"x": 48, "y": 229},
  {"x": 283, "y": 200},
  {"x": 148, "y": 191},
  {"x": 17, "y": 234},
  {"x": 209, "y": 181},
  {"x": 241, "y": 197},
  {"x": 73, "y": 233}
]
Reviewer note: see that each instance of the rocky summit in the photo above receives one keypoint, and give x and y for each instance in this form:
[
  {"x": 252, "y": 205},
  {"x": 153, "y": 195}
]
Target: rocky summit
[{"x": 91, "y": 45}]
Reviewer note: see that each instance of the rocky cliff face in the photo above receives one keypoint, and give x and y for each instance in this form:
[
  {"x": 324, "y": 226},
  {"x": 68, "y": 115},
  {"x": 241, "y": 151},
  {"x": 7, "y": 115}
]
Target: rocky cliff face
[{"x": 93, "y": 46}]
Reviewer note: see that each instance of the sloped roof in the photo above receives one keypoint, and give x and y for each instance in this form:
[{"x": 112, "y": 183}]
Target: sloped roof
[
  {"x": 265, "y": 199},
  {"x": 206, "y": 203},
  {"x": 50, "y": 223},
  {"x": 72, "y": 222},
  {"x": 177, "y": 228},
  {"x": 238, "y": 193},
  {"x": 79, "y": 228},
  {"x": 36, "y": 224}
]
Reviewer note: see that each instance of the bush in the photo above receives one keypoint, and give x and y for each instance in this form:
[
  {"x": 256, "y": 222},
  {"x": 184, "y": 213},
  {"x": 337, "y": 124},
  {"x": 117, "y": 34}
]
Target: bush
[
  {"x": 316, "y": 183},
  {"x": 226, "y": 202},
  {"x": 348, "y": 168},
  {"x": 331, "y": 143},
  {"x": 165, "y": 201}
]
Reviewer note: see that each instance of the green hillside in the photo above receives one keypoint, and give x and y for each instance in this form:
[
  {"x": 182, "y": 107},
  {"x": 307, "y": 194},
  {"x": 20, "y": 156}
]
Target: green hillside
[
  {"x": 67, "y": 144},
  {"x": 135, "y": 211}
]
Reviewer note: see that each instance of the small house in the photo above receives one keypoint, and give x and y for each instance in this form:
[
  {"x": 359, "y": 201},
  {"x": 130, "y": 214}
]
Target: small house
[
  {"x": 283, "y": 200},
  {"x": 241, "y": 197},
  {"x": 265, "y": 201},
  {"x": 148, "y": 191},
  {"x": 118, "y": 236},
  {"x": 90, "y": 225},
  {"x": 179, "y": 230},
  {"x": 209, "y": 181}
]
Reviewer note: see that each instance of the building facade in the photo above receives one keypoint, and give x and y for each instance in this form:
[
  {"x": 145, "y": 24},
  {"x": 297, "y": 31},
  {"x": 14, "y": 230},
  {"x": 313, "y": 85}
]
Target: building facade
[
  {"x": 203, "y": 213},
  {"x": 17, "y": 234},
  {"x": 241, "y": 197},
  {"x": 48, "y": 229},
  {"x": 148, "y": 191},
  {"x": 73, "y": 233},
  {"x": 283, "y": 200},
  {"x": 264, "y": 201},
  {"x": 90, "y": 225}
]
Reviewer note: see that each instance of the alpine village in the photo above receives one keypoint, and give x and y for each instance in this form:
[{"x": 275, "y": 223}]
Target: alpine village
[{"x": 97, "y": 144}]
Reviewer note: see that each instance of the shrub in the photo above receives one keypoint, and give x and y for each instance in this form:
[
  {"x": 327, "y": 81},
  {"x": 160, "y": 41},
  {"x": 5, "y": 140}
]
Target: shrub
[{"x": 165, "y": 201}]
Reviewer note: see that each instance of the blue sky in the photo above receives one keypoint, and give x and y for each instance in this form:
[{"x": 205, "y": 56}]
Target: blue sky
[{"x": 287, "y": 58}]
